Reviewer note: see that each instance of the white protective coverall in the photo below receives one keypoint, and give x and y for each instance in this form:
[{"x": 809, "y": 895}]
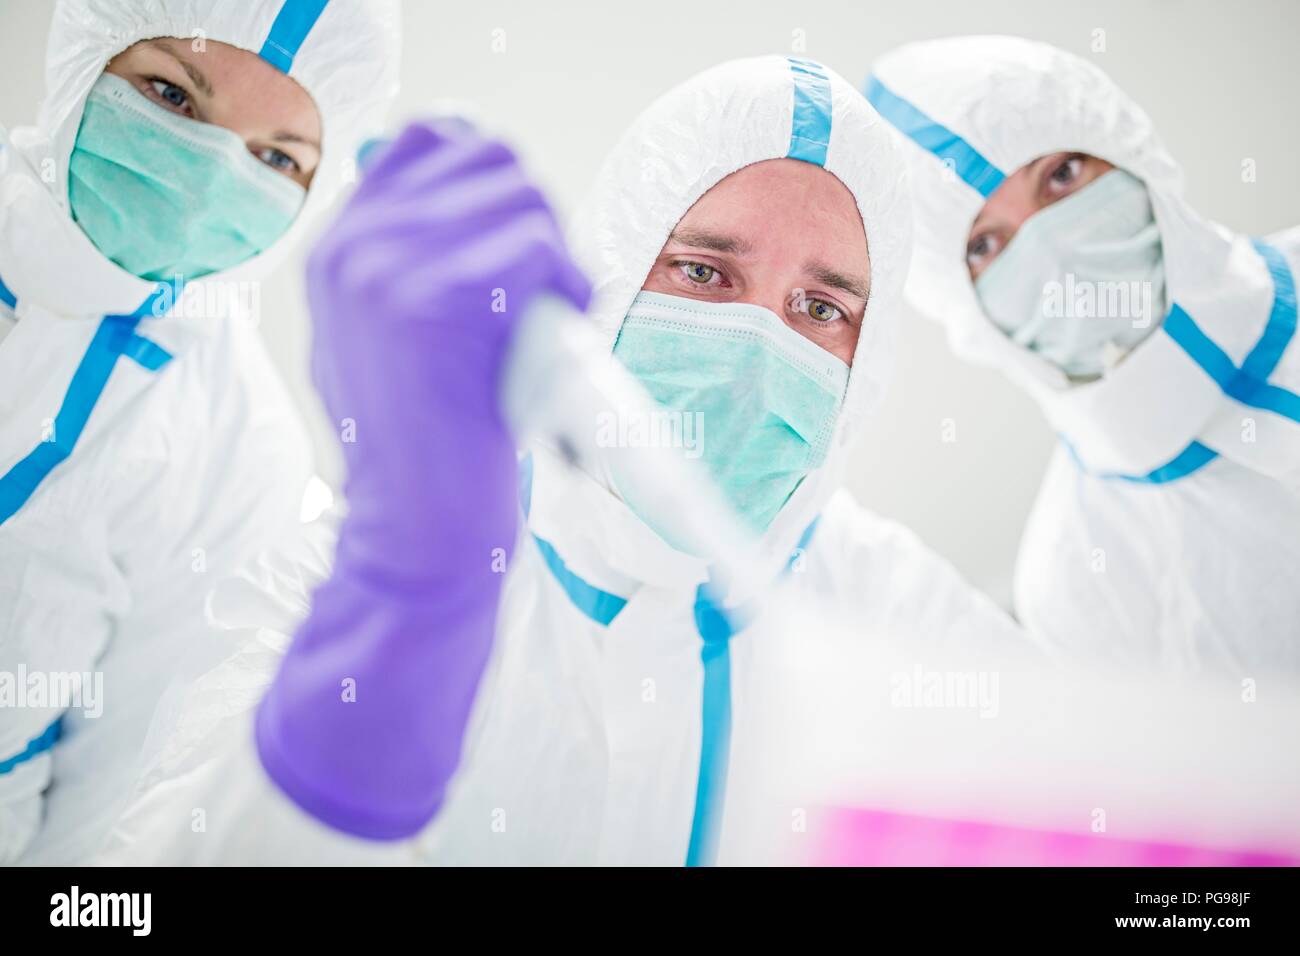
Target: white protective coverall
[
  {"x": 603, "y": 725},
  {"x": 1167, "y": 530},
  {"x": 139, "y": 461}
]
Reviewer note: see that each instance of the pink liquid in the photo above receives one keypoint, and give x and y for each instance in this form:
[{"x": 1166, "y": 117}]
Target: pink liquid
[{"x": 855, "y": 837}]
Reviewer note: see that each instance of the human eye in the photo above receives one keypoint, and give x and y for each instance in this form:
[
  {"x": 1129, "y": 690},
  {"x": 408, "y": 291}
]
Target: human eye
[
  {"x": 981, "y": 251},
  {"x": 1064, "y": 176},
  {"x": 821, "y": 311},
  {"x": 171, "y": 96},
  {"x": 278, "y": 160},
  {"x": 699, "y": 273}
]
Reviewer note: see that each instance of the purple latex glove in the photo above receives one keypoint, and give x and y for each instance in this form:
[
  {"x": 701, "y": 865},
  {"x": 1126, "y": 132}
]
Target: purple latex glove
[{"x": 415, "y": 292}]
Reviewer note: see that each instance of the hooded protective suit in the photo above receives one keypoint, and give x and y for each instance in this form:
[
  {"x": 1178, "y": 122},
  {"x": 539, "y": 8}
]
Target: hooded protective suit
[
  {"x": 603, "y": 726},
  {"x": 1167, "y": 530},
  {"x": 147, "y": 445}
]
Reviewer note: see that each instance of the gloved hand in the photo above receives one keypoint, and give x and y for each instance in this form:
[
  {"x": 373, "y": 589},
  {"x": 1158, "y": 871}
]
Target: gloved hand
[{"x": 415, "y": 292}]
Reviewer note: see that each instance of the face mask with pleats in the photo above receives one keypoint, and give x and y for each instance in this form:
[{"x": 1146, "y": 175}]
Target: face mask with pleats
[
  {"x": 759, "y": 400},
  {"x": 1082, "y": 282},
  {"x": 163, "y": 195}
]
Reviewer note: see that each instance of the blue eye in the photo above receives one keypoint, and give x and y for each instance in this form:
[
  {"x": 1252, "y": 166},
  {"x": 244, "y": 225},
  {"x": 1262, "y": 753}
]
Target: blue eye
[
  {"x": 171, "y": 94},
  {"x": 279, "y": 161}
]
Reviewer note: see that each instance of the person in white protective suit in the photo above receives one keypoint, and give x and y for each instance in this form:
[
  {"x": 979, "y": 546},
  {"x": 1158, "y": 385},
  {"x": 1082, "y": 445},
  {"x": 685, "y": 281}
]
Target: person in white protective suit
[
  {"x": 147, "y": 446},
  {"x": 603, "y": 724},
  {"x": 1167, "y": 530}
]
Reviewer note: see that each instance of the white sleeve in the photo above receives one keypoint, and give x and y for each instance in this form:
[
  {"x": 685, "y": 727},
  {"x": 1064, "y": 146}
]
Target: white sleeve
[
  {"x": 22, "y": 785},
  {"x": 1287, "y": 242},
  {"x": 104, "y": 572},
  {"x": 203, "y": 797},
  {"x": 58, "y": 587},
  {"x": 898, "y": 589}
]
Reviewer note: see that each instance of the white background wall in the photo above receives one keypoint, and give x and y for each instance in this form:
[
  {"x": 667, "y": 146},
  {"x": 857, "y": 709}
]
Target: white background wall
[{"x": 1220, "y": 80}]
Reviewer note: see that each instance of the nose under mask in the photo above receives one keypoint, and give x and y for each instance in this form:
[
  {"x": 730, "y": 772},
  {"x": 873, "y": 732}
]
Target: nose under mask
[
  {"x": 1082, "y": 282},
  {"x": 751, "y": 397},
  {"x": 163, "y": 195}
]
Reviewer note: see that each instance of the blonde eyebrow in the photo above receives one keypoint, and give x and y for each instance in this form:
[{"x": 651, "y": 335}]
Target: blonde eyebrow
[
  {"x": 286, "y": 137},
  {"x": 193, "y": 72}
]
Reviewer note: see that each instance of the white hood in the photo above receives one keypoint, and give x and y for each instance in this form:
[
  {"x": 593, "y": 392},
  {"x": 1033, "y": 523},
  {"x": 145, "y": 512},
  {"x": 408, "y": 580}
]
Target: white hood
[
  {"x": 714, "y": 124},
  {"x": 344, "y": 53},
  {"x": 974, "y": 110}
]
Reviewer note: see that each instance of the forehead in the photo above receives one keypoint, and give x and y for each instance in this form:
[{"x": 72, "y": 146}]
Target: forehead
[
  {"x": 244, "y": 84},
  {"x": 782, "y": 203}
]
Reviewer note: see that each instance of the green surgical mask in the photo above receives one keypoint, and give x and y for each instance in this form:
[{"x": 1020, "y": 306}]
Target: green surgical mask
[
  {"x": 757, "y": 401},
  {"x": 163, "y": 195}
]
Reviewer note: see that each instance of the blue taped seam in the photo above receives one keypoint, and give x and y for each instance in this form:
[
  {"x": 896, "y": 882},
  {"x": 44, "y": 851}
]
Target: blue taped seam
[
  {"x": 292, "y": 24},
  {"x": 601, "y": 606},
  {"x": 114, "y": 335},
  {"x": 968, "y": 163},
  {"x": 35, "y": 747},
  {"x": 1192, "y": 458},
  {"x": 716, "y": 626},
  {"x": 1247, "y": 384},
  {"x": 146, "y": 353},
  {"x": 6, "y": 296},
  {"x": 1280, "y": 330},
  {"x": 1200, "y": 347},
  {"x": 715, "y": 730},
  {"x": 810, "y": 128}
]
